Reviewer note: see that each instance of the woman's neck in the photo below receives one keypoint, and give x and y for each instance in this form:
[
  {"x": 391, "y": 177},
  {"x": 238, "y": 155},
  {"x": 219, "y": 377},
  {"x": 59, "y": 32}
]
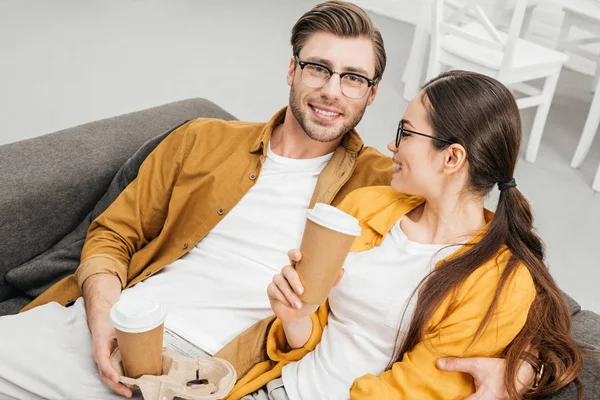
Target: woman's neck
[{"x": 449, "y": 221}]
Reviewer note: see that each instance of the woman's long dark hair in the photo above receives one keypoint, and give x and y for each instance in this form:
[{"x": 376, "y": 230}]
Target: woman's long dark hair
[{"x": 481, "y": 114}]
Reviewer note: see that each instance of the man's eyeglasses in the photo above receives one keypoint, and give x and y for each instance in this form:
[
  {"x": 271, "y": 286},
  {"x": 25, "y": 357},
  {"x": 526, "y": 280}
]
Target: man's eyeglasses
[
  {"x": 354, "y": 86},
  {"x": 401, "y": 133}
]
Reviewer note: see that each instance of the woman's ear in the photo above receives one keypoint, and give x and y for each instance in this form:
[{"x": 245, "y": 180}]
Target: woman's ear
[{"x": 455, "y": 156}]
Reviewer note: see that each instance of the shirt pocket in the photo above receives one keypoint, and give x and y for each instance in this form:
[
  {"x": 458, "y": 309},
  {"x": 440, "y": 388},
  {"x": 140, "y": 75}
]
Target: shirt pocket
[{"x": 398, "y": 311}]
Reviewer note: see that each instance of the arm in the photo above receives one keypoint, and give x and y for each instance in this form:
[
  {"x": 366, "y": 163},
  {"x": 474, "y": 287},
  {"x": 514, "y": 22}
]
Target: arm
[
  {"x": 416, "y": 375},
  {"x": 137, "y": 215},
  {"x": 100, "y": 293},
  {"x": 133, "y": 219}
]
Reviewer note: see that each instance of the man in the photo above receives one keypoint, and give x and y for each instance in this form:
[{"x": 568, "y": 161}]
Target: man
[{"x": 208, "y": 222}]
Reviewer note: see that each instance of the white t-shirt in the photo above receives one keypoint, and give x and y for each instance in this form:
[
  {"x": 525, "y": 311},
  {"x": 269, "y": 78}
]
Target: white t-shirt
[
  {"x": 364, "y": 317},
  {"x": 218, "y": 289}
]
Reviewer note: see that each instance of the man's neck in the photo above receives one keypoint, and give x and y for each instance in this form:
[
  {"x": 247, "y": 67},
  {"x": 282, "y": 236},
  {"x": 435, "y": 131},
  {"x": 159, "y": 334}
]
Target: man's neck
[{"x": 289, "y": 140}]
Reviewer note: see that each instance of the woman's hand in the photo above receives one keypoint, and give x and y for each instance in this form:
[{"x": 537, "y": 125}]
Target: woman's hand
[
  {"x": 294, "y": 314},
  {"x": 284, "y": 290}
]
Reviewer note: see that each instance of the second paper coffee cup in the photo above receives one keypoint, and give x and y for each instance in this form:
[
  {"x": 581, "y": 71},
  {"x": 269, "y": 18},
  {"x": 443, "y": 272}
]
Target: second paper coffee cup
[
  {"x": 328, "y": 237},
  {"x": 139, "y": 323}
]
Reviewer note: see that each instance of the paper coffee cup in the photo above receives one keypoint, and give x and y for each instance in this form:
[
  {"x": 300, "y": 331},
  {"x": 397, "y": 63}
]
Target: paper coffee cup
[
  {"x": 328, "y": 237},
  {"x": 139, "y": 323}
]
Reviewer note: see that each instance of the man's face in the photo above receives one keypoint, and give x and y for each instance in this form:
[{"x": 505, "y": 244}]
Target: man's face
[{"x": 325, "y": 114}]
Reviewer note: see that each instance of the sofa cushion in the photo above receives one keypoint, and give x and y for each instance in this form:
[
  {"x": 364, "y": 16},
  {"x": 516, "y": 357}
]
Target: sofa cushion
[
  {"x": 50, "y": 183},
  {"x": 36, "y": 275},
  {"x": 574, "y": 306}
]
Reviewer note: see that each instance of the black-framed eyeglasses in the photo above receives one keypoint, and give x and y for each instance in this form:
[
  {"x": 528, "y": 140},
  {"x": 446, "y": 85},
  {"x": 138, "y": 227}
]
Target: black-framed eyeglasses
[
  {"x": 315, "y": 75},
  {"x": 402, "y": 132}
]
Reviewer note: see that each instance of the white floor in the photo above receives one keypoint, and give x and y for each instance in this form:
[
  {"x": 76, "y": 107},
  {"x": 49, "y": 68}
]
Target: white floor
[{"x": 67, "y": 62}]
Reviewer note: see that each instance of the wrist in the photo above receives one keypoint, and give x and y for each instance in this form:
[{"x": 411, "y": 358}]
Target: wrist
[{"x": 295, "y": 323}]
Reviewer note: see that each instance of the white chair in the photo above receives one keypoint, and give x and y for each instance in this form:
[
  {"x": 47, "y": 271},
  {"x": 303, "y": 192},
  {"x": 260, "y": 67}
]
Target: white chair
[
  {"x": 415, "y": 65},
  {"x": 596, "y": 184},
  {"x": 479, "y": 46},
  {"x": 592, "y": 123},
  {"x": 585, "y": 15}
]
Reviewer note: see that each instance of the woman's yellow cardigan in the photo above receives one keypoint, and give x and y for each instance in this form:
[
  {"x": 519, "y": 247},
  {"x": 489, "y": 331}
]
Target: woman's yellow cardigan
[{"x": 450, "y": 330}]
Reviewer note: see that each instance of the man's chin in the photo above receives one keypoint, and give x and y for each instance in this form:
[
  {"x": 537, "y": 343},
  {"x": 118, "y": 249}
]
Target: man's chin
[{"x": 324, "y": 133}]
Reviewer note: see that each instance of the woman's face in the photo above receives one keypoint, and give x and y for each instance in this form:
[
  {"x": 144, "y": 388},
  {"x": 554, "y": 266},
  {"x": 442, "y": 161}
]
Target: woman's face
[{"x": 418, "y": 166}]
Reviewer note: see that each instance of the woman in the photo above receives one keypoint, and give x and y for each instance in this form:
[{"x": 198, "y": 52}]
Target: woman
[{"x": 451, "y": 277}]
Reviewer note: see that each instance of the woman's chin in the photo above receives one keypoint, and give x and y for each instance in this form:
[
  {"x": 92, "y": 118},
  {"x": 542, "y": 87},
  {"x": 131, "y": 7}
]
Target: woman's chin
[{"x": 398, "y": 186}]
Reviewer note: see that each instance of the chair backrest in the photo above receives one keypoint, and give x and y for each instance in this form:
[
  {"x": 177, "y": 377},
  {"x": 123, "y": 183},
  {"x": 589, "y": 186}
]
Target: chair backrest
[{"x": 449, "y": 15}]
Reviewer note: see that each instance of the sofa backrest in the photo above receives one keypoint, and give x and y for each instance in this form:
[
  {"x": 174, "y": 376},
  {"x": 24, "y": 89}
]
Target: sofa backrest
[{"x": 48, "y": 184}]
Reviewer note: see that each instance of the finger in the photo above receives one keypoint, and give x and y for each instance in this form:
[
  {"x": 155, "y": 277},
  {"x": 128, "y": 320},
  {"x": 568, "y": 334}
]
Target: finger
[
  {"x": 275, "y": 294},
  {"x": 453, "y": 364},
  {"x": 102, "y": 358},
  {"x": 290, "y": 274},
  {"x": 339, "y": 277},
  {"x": 109, "y": 375},
  {"x": 294, "y": 255},
  {"x": 118, "y": 388},
  {"x": 284, "y": 286},
  {"x": 107, "y": 370},
  {"x": 525, "y": 377}
]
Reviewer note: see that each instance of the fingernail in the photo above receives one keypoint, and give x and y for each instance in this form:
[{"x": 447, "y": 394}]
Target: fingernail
[
  {"x": 441, "y": 362},
  {"x": 299, "y": 289},
  {"x": 297, "y": 254},
  {"x": 298, "y": 304}
]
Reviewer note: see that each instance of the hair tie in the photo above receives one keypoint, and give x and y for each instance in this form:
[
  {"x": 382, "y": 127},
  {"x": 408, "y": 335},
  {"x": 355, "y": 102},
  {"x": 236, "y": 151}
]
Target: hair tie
[{"x": 507, "y": 185}]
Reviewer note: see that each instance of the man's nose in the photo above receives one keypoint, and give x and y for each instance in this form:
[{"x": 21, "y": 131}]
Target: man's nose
[{"x": 333, "y": 87}]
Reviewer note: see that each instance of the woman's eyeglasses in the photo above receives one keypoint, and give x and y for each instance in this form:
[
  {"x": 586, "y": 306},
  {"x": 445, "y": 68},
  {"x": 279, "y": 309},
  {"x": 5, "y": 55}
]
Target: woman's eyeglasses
[{"x": 402, "y": 132}]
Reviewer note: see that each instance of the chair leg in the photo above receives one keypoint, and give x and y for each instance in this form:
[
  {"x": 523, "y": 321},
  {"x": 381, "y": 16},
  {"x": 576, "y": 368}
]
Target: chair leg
[
  {"x": 537, "y": 129},
  {"x": 589, "y": 130},
  {"x": 564, "y": 33},
  {"x": 415, "y": 64},
  {"x": 596, "y": 76},
  {"x": 596, "y": 184},
  {"x": 526, "y": 21}
]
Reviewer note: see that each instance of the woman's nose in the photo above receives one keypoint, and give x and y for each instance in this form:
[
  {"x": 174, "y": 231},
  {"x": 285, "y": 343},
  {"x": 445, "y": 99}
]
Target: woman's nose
[{"x": 392, "y": 146}]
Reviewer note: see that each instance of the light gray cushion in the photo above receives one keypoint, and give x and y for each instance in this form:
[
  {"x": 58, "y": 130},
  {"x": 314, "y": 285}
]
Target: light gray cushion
[{"x": 586, "y": 331}]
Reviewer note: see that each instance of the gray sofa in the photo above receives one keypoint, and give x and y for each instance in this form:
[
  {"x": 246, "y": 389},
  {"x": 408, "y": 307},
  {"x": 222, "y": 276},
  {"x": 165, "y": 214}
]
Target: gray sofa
[{"x": 54, "y": 185}]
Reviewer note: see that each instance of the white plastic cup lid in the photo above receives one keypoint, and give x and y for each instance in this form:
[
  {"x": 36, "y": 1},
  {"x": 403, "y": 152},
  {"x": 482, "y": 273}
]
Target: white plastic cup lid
[
  {"x": 134, "y": 315},
  {"x": 334, "y": 219}
]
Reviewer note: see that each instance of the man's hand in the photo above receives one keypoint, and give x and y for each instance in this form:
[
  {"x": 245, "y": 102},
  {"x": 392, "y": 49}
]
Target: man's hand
[
  {"x": 100, "y": 293},
  {"x": 488, "y": 374}
]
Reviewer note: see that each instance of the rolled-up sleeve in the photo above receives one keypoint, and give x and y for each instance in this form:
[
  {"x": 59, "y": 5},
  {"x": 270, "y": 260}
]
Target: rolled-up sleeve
[{"x": 137, "y": 215}]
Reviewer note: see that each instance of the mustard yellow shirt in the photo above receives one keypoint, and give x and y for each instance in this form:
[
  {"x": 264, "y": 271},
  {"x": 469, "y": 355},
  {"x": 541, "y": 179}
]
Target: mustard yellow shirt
[
  {"x": 183, "y": 189},
  {"x": 449, "y": 332}
]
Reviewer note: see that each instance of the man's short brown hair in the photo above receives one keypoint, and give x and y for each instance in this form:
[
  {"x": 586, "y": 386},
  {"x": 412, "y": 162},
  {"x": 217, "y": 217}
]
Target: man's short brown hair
[{"x": 342, "y": 19}]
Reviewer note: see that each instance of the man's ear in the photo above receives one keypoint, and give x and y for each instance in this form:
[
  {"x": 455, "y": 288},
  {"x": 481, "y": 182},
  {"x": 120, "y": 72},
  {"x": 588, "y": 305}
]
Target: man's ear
[
  {"x": 373, "y": 93},
  {"x": 455, "y": 156},
  {"x": 290, "y": 73}
]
